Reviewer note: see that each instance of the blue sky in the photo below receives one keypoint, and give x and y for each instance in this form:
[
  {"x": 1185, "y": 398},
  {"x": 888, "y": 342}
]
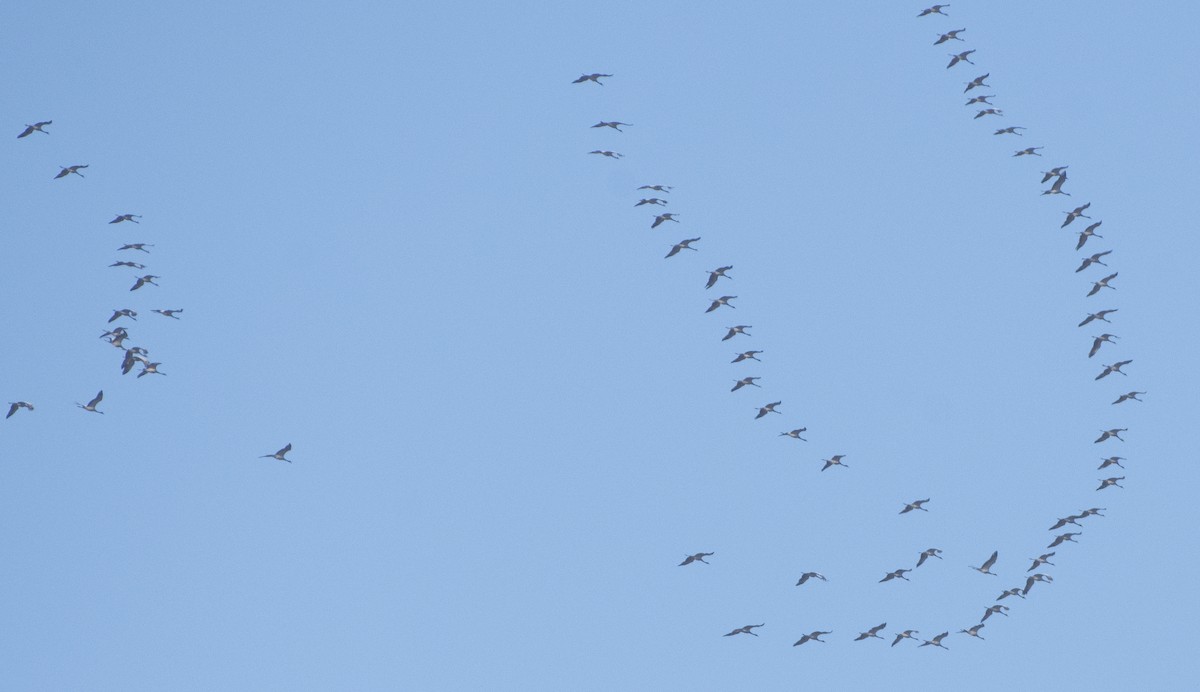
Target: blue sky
[{"x": 511, "y": 415}]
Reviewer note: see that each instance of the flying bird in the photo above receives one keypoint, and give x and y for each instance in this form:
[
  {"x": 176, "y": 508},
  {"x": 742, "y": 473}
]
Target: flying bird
[
  {"x": 748, "y": 355},
  {"x": 906, "y": 634},
  {"x": 1010, "y": 592},
  {"x": 1029, "y": 151},
  {"x": 657, "y": 188},
  {"x": 977, "y": 82},
  {"x": 948, "y": 36},
  {"x": 594, "y": 77},
  {"x": 91, "y": 405},
  {"x": 1110, "y": 461},
  {"x": 1102, "y": 316},
  {"x": 698, "y": 557},
  {"x": 150, "y": 369},
  {"x": 835, "y": 460},
  {"x": 1076, "y": 213},
  {"x": 1033, "y": 580},
  {"x": 717, "y": 274},
  {"x": 915, "y": 504},
  {"x": 168, "y": 313},
  {"x": 794, "y": 434},
  {"x": 723, "y": 300},
  {"x": 982, "y": 99},
  {"x": 1056, "y": 172},
  {"x": 812, "y": 636},
  {"x": 994, "y": 610},
  {"x": 974, "y": 631},
  {"x": 1064, "y": 521},
  {"x": 143, "y": 280},
  {"x": 745, "y": 381},
  {"x": 986, "y": 567},
  {"x": 936, "y": 9},
  {"x": 1064, "y": 538},
  {"x": 960, "y": 57},
  {"x": 14, "y": 406},
  {"x": 68, "y": 170},
  {"x": 126, "y": 217},
  {"x": 135, "y": 265},
  {"x": 1102, "y": 283},
  {"x": 652, "y": 200},
  {"x": 1115, "y": 432},
  {"x": 1097, "y": 340},
  {"x": 937, "y": 641},
  {"x": 1009, "y": 130},
  {"x": 1131, "y": 396},
  {"x": 279, "y": 456},
  {"x": 897, "y": 574},
  {"x": 665, "y": 216},
  {"x": 36, "y": 127},
  {"x": 1056, "y": 188},
  {"x": 810, "y": 575},
  {"x": 1094, "y": 511},
  {"x": 988, "y": 111},
  {"x": 613, "y": 124},
  {"x": 739, "y": 329},
  {"x": 124, "y": 312},
  {"x": 1094, "y": 259},
  {"x": 1115, "y": 367},
  {"x": 873, "y": 632},
  {"x": 682, "y": 245},
  {"x": 136, "y": 246},
  {"x": 1108, "y": 482},
  {"x": 609, "y": 154},
  {"x": 926, "y": 554},
  {"x": 769, "y": 408},
  {"x": 743, "y": 630},
  {"x": 1088, "y": 233}
]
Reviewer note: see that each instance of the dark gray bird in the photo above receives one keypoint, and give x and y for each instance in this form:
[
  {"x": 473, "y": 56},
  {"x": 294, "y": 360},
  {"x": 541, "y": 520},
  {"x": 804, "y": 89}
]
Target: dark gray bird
[
  {"x": 744, "y": 382},
  {"x": 136, "y": 246},
  {"x": 956, "y": 58},
  {"x": 68, "y": 170},
  {"x": 915, "y": 504},
  {"x": 125, "y": 312},
  {"x": 1088, "y": 233},
  {"x": 1057, "y": 172},
  {"x": 129, "y": 360},
  {"x": 1102, "y": 316},
  {"x": 1115, "y": 432},
  {"x": 14, "y": 406},
  {"x": 1056, "y": 188},
  {"x": 1010, "y": 592},
  {"x": 91, "y": 405},
  {"x": 1040, "y": 560},
  {"x": 988, "y": 111},
  {"x": 1115, "y": 367},
  {"x": 982, "y": 99},
  {"x": 723, "y": 300},
  {"x": 810, "y": 575},
  {"x": 665, "y": 216},
  {"x": 657, "y": 188},
  {"x": 1064, "y": 521},
  {"x": 739, "y": 329},
  {"x": 150, "y": 369},
  {"x": 949, "y": 36},
  {"x": 279, "y": 456},
  {"x": 126, "y": 217},
  {"x": 974, "y": 631},
  {"x": 1076, "y": 213},
  {"x": 931, "y": 552},
  {"x": 36, "y": 127},
  {"x": 769, "y": 408},
  {"x": 168, "y": 313},
  {"x": 873, "y": 632},
  {"x": 1033, "y": 580},
  {"x": 748, "y": 355},
  {"x": 1009, "y": 130},
  {"x": 1029, "y": 151},
  {"x": 1102, "y": 283},
  {"x": 682, "y": 245},
  {"x": 994, "y": 610},
  {"x": 794, "y": 434},
  {"x": 906, "y": 634},
  {"x": 143, "y": 280},
  {"x": 897, "y": 574},
  {"x": 135, "y": 265},
  {"x": 653, "y": 200},
  {"x": 1097, "y": 340},
  {"x": 812, "y": 637},
  {"x": 936, "y": 9},
  {"x": 743, "y": 630},
  {"x": 937, "y": 641},
  {"x": 835, "y": 460},
  {"x": 698, "y": 557},
  {"x": 977, "y": 82},
  {"x": 1110, "y": 461},
  {"x": 613, "y": 124},
  {"x": 716, "y": 274},
  {"x": 1131, "y": 396},
  {"x": 986, "y": 567},
  {"x": 1094, "y": 511},
  {"x": 594, "y": 77},
  {"x": 1107, "y": 482},
  {"x": 1094, "y": 259},
  {"x": 1064, "y": 538},
  {"x": 609, "y": 154}
]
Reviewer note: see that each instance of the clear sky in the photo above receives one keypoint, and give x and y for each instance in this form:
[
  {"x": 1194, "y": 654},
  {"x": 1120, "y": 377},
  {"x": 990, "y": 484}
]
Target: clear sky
[{"x": 511, "y": 416}]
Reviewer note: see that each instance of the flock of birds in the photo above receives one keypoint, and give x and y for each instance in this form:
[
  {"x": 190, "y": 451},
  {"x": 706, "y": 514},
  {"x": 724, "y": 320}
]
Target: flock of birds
[
  {"x": 117, "y": 336},
  {"x": 1056, "y": 177}
]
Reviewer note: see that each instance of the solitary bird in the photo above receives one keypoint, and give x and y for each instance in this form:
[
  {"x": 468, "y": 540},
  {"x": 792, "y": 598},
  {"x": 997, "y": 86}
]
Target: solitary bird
[
  {"x": 150, "y": 369},
  {"x": 1111, "y": 461},
  {"x": 279, "y": 456},
  {"x": 717, "y": 274},
  {"x": 682, "y": 245},
  {"x": 652, "y": 200},
  {"x": 794, "y": 434},
  {"x": 68, "y": 170},
  {"x": 1009, "y": 130},
  {"x": 168, "y": 313},
  {"x": 937, "y": 641},
  {"x": 906, "y": 634},
  {"x": 1076, "y": 213},
  {"x": 948, "y": 36},
  {"x": 1108, "y": 482},
  {"x": 989, "y": 111},
  {"x": 143, "y": 280},
  {"x": 1102, "y": 316},
  {"x": 126, "y": 217},
  {"x": 748, "y": 355},
  {"x": 960, "y": 57},
  {"x": 743, "y": 630},
  {"x": 1088, "y": 233},
  {"x": 1131, "y": 396},
  {"x": 136, "y": 246},
  {"x": 915, "y": 504},
  {"x": 1094, "y": 259},
  {"x": 974, "y": 631},
  {"x": 613, "y": 124},
  {"x": 977, "y": 82},
  {"x": 1043, "y": 559},
  {"x": 745, "y": 381},
  {"x": 897, "y": 574},
  {"x": 1010, "y": 592},
  {"x": 1097, "y": 340},
  {"x": 986, "y": 567},
  {"x": 594, "y": 77},
  {"x": 835, "y": 460},
  {"x": 1064, "y": 538},
  {"x": 1102, "y": 283},
  {"x": 657, "y": 188},
  {"x": 698, "y": 557},
  {"x": 981, "y": 99},
  {"x": 873, "y": 632},
  {"x": 36, "y": 127},
  {"x": 14, "y": 406},
  {"x": 1115, "y": 367},
  {"x": 1033, "y": 580},
  {"x": 997, "y": 609},
  {"x": 124, "y": 312},
  {"x": 739, "y": 329},
  {"x": 1115, "y": 432},
  {"x": 135, "y": 265},
  {"x": 926, "y": 554},
  {"x": 723, "y": 300},
  {"x": 665, "y": 216},
  {"x": 812, "y": 636},
  {"x": 936, "y": 9},
  {"x": 1029, "y": 151},
  {"x": 609, "y": 154},
  {"x": 810, "y": 575},
  {"x": 769, "y": 408},
  {"x": 91, "y": 405}
]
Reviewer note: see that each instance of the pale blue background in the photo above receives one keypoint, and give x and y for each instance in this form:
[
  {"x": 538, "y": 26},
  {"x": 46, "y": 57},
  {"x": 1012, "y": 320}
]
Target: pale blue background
[{"x": 511, "y": 416}]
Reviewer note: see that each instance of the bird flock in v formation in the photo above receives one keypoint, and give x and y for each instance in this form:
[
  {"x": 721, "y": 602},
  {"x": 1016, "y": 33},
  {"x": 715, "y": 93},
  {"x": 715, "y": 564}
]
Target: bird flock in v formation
[
  {"x": 117, "y": 335},
  {"x": 1056, "y": 177}
]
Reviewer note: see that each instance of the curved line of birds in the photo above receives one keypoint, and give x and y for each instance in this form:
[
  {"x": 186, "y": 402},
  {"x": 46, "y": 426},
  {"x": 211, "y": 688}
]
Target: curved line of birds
[
  {"x": 1056, "y": 177},
  {"x": 116, "y": 336}
]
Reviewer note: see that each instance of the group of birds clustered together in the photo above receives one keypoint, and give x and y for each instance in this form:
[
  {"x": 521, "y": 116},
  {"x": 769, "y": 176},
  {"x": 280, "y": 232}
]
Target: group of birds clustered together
[
  {"x": 1057, "y": 177},
  {"x": 117, "y": 335}
]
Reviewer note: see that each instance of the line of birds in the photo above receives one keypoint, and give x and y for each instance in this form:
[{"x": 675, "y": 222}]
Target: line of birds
[{"x": 1057, "y": 177}]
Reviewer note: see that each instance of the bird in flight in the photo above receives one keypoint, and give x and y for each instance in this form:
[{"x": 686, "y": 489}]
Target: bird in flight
[
  {"x": 1029, "y": 582},
  {"x": 1063, "y": 522},
  {"x": 974, "y": 631},
  {"x": 14, "y": 406},
  {"x": 36, "y": 127},
  {"x": 937, "y": 641},
  {"x": 1102, "y": 316},
  {"x": 1059, "y": 171},
  {"x": 124, "y": 312},
  {"x": 745, "y": 381},
  {"x": 698, "y": 557},
  {"x": 1131, "y": 396},
  {"x": 915, "y": 504},
  {"x": 143, "y": 280},
  {"x": 906, "y": 634},
  {"x": 986, "y": 567},
  {"x": 1093, "y": 511},
  {"x": 150, "y": 369},
  {"x": 897, "y": 574},
  {"x": 1056, "y": 188},
  {"x": 1076, "y": 213},
  {"x": 1115, "y": 432},
  {"x": 1008, "y": 130},
  {"x": 1094, "y": 259},
  {"x": 594, "y": 77},
  {"x": 723, "y": 300},
  {"x": 136, "y": 246},
  {"x": 653, "y": 200},
  {"x": 960, "y": 57},
  {"x": 989, "y": 111},
  {"x": 613, "y": 124},
  {"x": 609, "y": 154},
  {"x": 135, "y": 265},
  {"x": 997, "y": 609},
  {"x": 835, "y": 460},
  {"x": 743, "y": 630},
  {"x": 1102, "y": 283},
  {"x": 1088, "y": 233},
  {"x": 982, "y": 99},
  {"x": 748, "y": 355},
  {"x": 1010, "y": 592},
  {"x": 811, "y": 575},
  {"x": 683, "y": 245},
  {"x": 794, "y": 434},
  {"x": 1064, "y": 538},
  {"x": 68, "y": 170},
  {"x": 1097, "y": 340},
  {"x": 769, "y": 408},
  {"x": 1109, "y": 482},
  {"x": 665, "y": 216},
  {"x": 1029, "y": 151},
  {"x": 977, "y": 82},
  {"x": 948, "y": 36},
  {"x": 126, "y": 217},
  {"x": 926, "y": 554},
  {"x": 739, "y": 329},
  {"x": 1115, "y": 367},
  {"x": 168, "y": 313},
  {"x": 873, "y": 632},
  {"x": 717, "y": 274},
  {"x": 813, "y": 637},
  {"x": 1110, "y": 461},
  {"x": 657, "y": 188},
  {"x": 936, "y": 9},
  {"x": 91, "y": 405},
  {"x": 279, "y": 456}
]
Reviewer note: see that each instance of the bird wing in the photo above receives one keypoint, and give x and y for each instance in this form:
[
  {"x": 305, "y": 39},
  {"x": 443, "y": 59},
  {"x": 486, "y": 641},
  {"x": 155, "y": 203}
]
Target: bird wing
[
  {"x": 11, "y": 410},
  {"x": 27, "y": 132},
  {"x": 991, "y": 560}
]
